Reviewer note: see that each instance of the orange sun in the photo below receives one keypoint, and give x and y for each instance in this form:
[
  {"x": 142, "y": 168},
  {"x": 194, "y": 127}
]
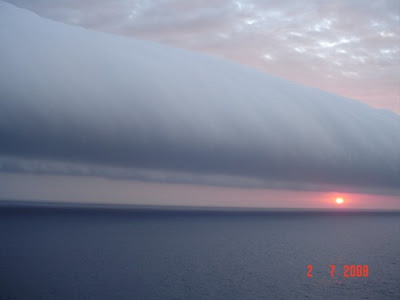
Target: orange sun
[{"x": 339, "y": 200}]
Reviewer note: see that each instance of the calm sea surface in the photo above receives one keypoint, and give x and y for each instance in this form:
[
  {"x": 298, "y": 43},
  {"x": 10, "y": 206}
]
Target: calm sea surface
[{"x": 69, "y": 253}]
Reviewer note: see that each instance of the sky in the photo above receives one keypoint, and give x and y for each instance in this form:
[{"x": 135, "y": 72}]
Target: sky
[
  {"x": 92, "y": 117},
  {"x": 350, "y": 48}
]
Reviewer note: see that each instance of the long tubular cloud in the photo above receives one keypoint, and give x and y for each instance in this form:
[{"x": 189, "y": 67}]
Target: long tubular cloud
[{"x": 74, "y": 95}]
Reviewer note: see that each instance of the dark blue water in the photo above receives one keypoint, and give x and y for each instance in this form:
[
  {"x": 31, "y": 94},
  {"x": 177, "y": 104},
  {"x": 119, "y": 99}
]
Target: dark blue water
[{"x": 50, "y": 253}]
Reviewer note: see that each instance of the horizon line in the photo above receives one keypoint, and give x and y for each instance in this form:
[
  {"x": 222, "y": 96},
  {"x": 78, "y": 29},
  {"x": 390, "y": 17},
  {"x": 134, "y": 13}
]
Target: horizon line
[{"x": 149, "y": 208}]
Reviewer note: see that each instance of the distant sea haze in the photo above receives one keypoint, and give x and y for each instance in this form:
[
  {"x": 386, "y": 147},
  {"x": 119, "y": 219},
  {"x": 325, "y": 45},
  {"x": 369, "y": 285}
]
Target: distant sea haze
[{"x": 75, "y": 252}]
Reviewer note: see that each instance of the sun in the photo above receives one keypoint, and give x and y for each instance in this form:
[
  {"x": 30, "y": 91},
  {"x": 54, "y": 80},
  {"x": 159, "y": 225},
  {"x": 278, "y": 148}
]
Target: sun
[{"x": 339, "y": 200}]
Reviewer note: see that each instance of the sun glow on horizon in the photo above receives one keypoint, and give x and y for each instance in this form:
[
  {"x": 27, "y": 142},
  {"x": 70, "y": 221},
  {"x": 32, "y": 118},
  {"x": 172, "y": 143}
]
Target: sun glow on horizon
[{"x": 339, "y": 200}]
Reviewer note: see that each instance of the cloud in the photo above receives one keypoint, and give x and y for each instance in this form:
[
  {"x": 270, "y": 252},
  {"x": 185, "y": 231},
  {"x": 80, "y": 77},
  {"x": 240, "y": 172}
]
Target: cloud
[
  {"x": 86, "y": 98},
  {"x": 350, "y": 48}
]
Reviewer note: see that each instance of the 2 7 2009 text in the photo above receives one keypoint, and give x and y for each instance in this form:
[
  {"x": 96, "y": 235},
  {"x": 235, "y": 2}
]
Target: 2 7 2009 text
[{"x": 349, "y": 270}]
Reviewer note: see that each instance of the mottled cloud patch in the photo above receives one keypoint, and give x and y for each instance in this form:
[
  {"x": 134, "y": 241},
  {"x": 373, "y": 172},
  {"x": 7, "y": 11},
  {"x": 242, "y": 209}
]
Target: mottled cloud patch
[{"x": 346, "y": 47}]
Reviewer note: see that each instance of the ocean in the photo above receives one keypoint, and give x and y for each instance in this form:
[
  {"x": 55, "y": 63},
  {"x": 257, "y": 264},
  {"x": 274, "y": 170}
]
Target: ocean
[{"x": 95, "y": 252}]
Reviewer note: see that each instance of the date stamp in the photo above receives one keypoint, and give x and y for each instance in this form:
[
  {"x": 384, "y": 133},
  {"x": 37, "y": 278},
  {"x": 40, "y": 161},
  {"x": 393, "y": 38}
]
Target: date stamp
[{"x": 348, "y": 270}]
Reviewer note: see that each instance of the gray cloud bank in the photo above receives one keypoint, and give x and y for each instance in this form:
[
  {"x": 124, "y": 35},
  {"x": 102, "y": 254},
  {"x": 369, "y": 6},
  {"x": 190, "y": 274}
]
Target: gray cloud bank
[{"x": 70, "y": 95}]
